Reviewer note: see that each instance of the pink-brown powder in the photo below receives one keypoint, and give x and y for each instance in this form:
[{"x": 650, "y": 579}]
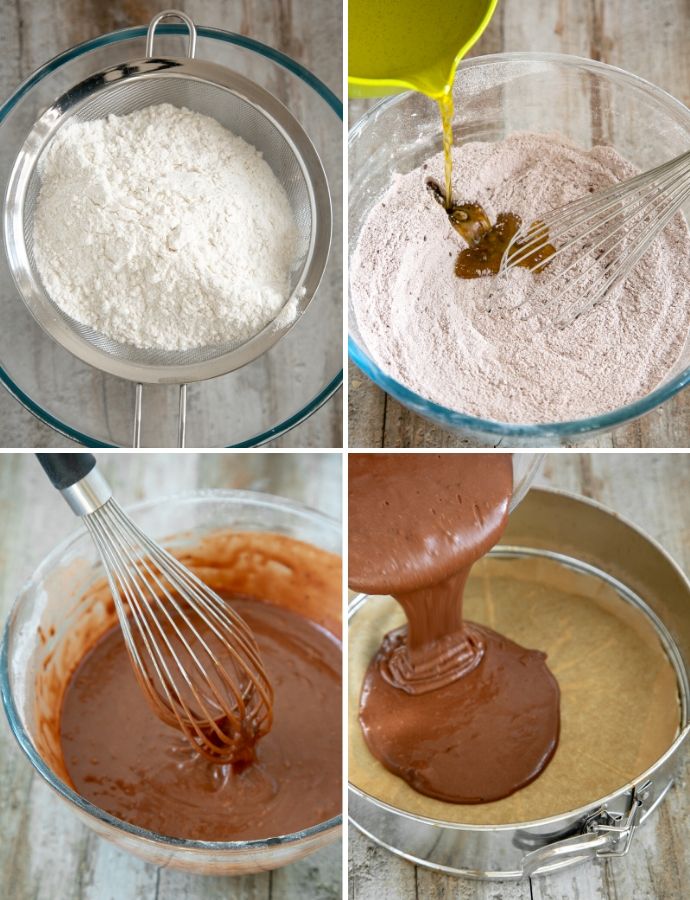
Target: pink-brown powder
[{"x": 499, "y": 353}]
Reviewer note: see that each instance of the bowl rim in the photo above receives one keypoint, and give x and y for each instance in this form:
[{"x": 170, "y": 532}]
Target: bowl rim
[
  {"x": 252, "y": 498},
  {"x": 445, "y": 416},
  {"x": 216, "y": 34}
]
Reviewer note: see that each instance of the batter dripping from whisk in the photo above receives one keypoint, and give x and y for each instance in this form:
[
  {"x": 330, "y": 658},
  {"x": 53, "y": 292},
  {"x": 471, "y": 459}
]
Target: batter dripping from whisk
[{"x": 125, "y": 760}]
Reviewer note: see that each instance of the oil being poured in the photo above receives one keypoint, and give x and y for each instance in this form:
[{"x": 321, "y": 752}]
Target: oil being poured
[
  {"x": 445, "y": 105},
  {"x": 487, "y": 242},
  {"x": 395, "y": 44}
]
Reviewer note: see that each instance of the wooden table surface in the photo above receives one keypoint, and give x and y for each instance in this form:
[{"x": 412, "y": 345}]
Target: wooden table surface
[
  {"x": 33, "y": 31},
  {"x": 652, "y": 491},
  {"x": 647, "y": 37},
  {"x": 46, "y": 853}
]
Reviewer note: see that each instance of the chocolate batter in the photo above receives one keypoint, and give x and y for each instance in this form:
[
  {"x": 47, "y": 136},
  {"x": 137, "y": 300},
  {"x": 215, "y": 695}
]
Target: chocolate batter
[
  {"x": 122, "y": 758},
  {"x": 457, "y": 710},
  {"x": 128, "y": 762}
]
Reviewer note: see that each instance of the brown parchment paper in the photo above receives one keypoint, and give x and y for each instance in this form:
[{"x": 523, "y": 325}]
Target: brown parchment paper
[{"x": 620, "y": 707}]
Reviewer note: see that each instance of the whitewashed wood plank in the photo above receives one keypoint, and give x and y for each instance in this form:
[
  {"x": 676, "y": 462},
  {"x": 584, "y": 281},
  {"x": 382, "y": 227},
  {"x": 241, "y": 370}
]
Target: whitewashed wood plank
[
  {"x": 376, "y": 874},
  {"x": 366, "y": 410},
  {"x": 112, "y": 874},
  {"x": 650, "y": 489},
  {"x": 434, "y": 886},
  {"x": 10, "y": 46},
  {"x": 319, "y": 876},
  {"x": 21, "y": 429},
  {"x": 323, "y": 429},
  {"x": 585, "y": 882},
  {"x": 174, "y": 885}
]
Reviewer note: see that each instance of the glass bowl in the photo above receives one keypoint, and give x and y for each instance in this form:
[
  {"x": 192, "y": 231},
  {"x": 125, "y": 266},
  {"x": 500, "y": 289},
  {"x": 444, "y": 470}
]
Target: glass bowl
[
  {"x": 44, "y": 606},
  {"x": 247, "y": 407},
  {"x": 526, "y": 467},
  {"x": 590, "y": 103}
]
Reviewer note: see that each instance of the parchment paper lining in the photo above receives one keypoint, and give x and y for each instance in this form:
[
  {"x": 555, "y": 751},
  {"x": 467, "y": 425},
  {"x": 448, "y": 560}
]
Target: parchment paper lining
[{"x": 619, "y": 694}]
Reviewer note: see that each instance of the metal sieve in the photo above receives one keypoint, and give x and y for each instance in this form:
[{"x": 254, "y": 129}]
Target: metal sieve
[{"x": 245, "y": 109}]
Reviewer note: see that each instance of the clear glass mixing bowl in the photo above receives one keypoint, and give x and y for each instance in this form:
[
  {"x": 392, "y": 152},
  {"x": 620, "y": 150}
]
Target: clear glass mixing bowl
[
  {"x": 587, "y": 101},
  {"x": 526, "y": 467},
  {"x": 48, "y": 599},
  {"x": 247, "y": 407}
]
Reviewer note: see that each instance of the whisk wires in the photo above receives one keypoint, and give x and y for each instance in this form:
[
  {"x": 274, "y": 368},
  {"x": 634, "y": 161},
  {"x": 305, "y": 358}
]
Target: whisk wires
[
  {"x": 194, "y": 656},
  {"x": 610, "y": 229}
]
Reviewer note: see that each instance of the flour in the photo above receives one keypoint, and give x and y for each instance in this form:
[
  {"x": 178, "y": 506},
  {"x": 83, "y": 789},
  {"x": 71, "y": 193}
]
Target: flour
[
  {"x": 497, "y": 354},
  {"x": 161, "y": 229}
]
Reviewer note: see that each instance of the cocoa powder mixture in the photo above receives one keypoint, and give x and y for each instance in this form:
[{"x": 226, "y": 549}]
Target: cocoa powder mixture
[
  {"x": 498, "y": 353},
  {"x": 458, "y": 711}
]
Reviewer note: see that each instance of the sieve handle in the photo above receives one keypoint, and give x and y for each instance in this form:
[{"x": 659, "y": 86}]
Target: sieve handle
[
  {"x": 181, "y": 416},
  {"x": 171, "y": 14}
]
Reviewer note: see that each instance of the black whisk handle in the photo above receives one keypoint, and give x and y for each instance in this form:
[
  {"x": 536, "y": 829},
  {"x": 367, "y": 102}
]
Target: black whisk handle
[
  {"x": 66, "y": 469},
  {"x": 79, "y": 481}
]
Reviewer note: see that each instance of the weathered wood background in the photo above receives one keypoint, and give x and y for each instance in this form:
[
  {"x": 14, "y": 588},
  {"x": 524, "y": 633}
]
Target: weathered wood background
[
  {"x": 33, "y": 31},
  {"x": 46, "y": 853},
  {"x": 647, "y": 37},
  {"x": 651, "y": 490}
]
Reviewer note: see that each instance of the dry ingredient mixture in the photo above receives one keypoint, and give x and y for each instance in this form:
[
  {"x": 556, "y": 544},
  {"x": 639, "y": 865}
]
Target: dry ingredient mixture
[
  {"x": 498, "y": 353},
  {"x": 163, "y": 230}
]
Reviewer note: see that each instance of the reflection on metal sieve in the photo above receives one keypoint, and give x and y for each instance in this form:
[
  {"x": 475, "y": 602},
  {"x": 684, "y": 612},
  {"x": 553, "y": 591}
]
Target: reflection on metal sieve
[{"x": 239, "y": 105}]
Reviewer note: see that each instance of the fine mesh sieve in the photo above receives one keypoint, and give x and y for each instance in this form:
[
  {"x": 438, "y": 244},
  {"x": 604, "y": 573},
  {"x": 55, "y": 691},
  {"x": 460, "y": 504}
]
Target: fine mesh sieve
[{"x": 241, "y": 106}]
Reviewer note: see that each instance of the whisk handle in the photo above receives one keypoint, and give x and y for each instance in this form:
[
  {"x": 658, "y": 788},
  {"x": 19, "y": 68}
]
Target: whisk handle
[
  {"x": 76, "y": 477},
  {"x": 65, "y": 469}
]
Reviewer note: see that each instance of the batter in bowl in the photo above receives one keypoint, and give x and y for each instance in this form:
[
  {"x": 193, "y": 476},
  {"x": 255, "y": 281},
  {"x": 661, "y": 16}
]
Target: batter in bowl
[
  {"x": 116, "y": 753},
  {"x": 498, "y": 353}
]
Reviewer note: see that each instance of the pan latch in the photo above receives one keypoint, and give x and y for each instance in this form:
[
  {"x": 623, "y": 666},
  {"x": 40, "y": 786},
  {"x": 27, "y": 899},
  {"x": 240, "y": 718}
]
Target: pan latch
[{"x": 604, "y": 834}]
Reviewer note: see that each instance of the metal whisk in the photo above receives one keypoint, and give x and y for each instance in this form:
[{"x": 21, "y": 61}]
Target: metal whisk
[
  {"x": 611, "y": 229},
  {"x": 195, "y": 658}
]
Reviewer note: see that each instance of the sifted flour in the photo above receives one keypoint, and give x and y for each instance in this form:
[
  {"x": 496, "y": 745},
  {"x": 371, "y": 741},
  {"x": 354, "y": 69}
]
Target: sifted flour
[
  {"x": 473, "y": 348},
  {"x": 163, "y": 230}
]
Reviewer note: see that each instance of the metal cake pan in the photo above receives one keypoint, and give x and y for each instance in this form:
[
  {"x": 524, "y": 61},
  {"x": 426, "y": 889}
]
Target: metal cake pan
[{"x": 585, "y": 535}]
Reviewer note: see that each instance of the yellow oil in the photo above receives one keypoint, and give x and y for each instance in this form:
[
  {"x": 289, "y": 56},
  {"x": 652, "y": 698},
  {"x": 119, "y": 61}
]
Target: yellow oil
[
  {"x": 410, "y": 44},
  {"x": 445, "y": 105},
  {"x": 405, "y": 43}
]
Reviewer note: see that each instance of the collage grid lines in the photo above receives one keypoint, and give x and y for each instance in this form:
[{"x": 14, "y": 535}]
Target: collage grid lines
[{"x": 286, "y": 426}]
